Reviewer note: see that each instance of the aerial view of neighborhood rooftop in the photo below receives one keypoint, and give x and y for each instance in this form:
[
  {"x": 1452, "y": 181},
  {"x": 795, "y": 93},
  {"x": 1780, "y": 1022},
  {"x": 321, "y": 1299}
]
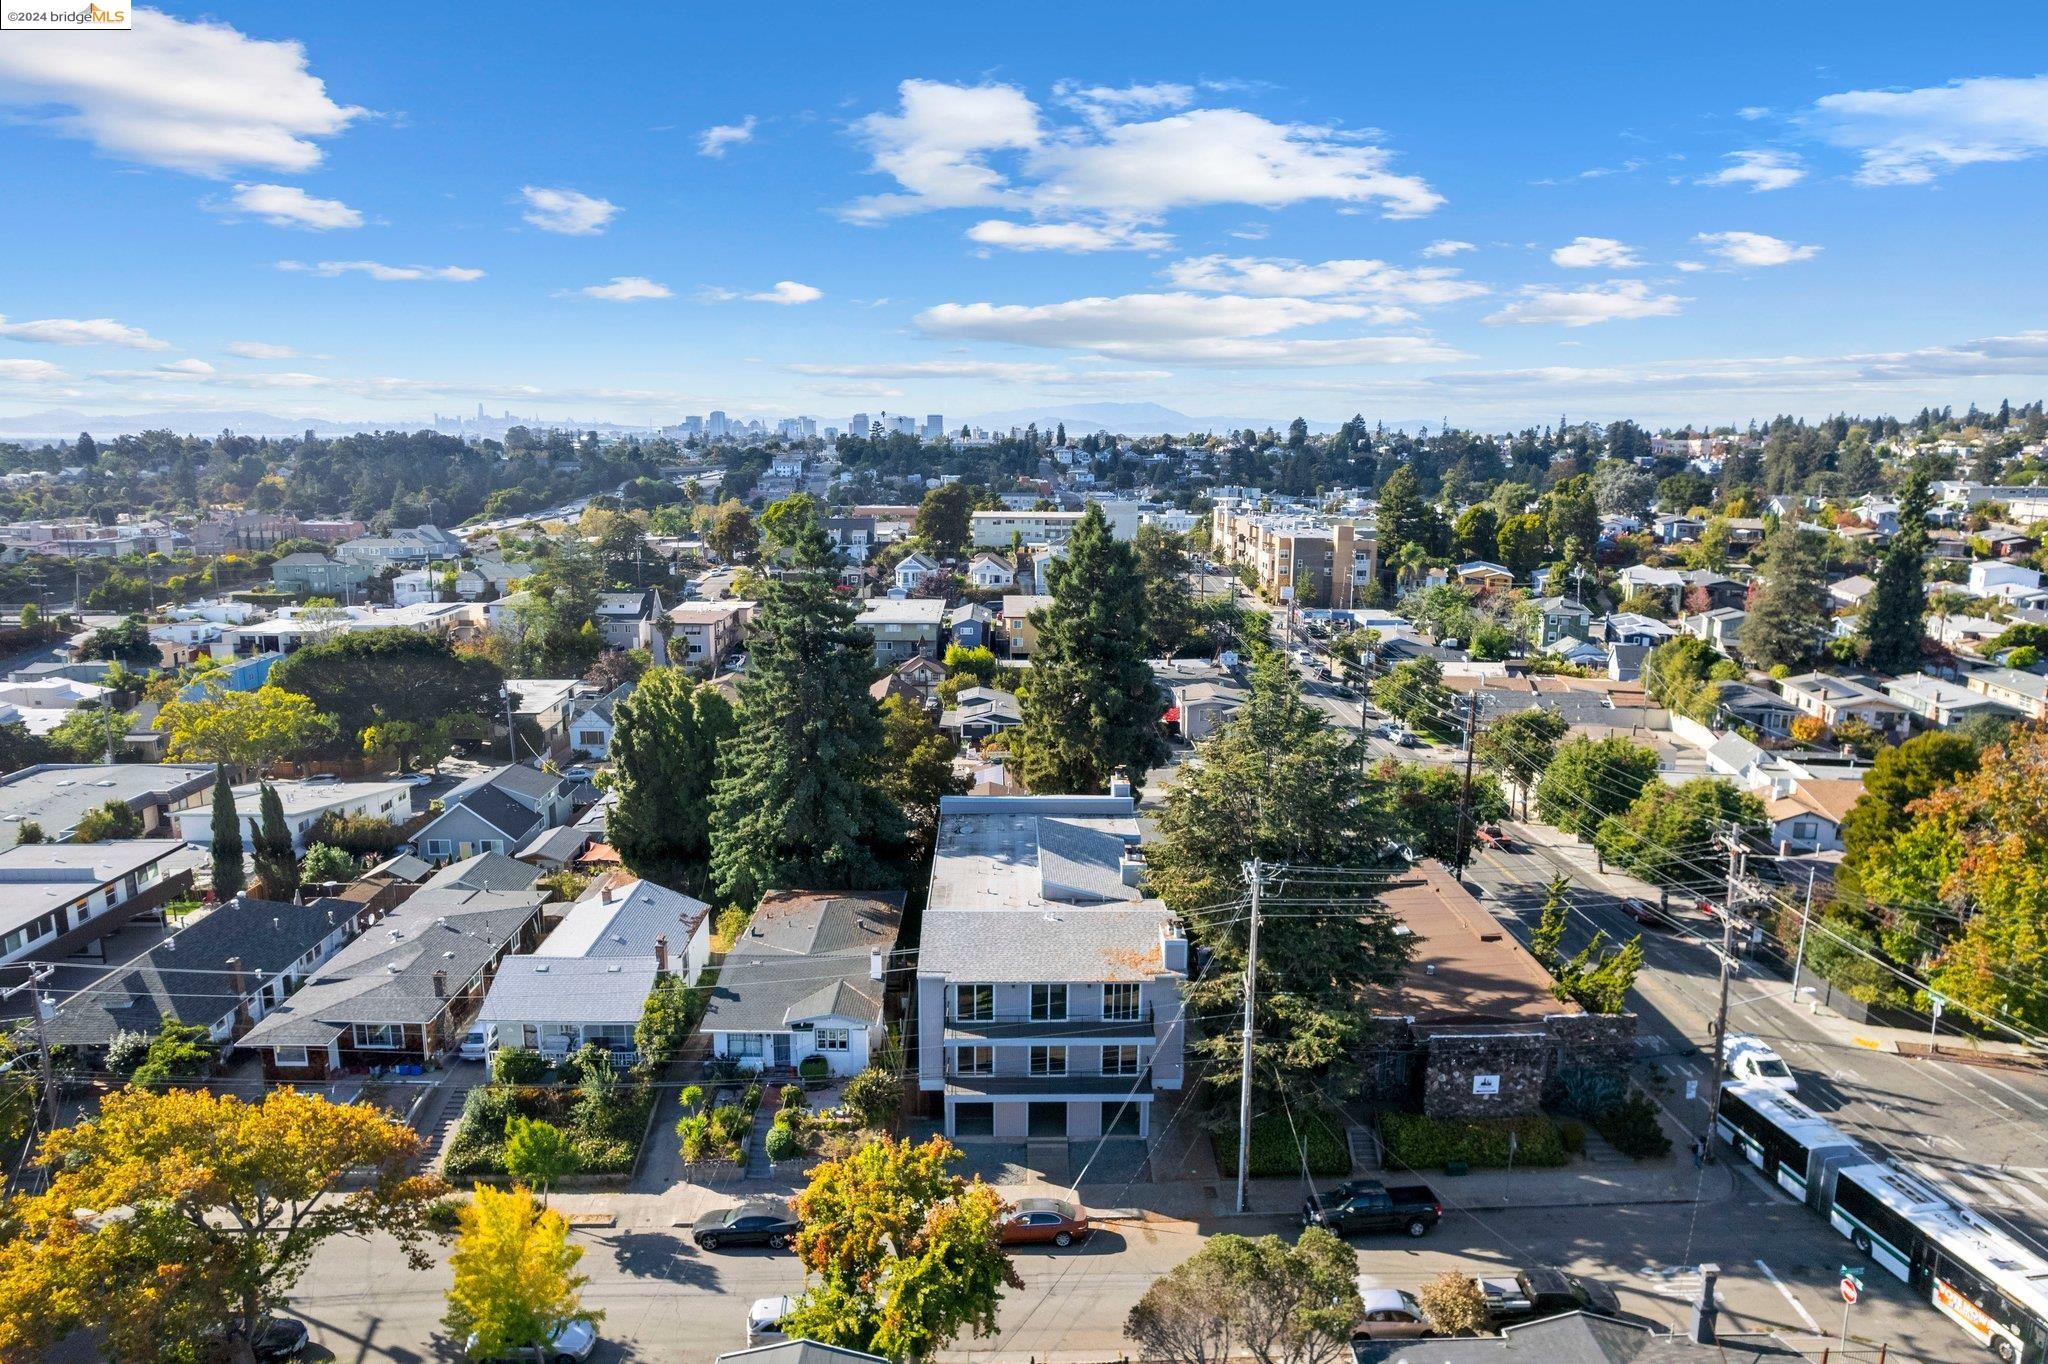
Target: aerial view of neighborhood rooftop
[{"x": 1327, "y": 685}]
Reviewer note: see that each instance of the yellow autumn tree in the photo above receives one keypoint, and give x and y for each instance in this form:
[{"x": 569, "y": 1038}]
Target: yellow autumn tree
[
  {"x": 181, "y": 1213},
  {"x": 240, "y": 728},
  {"x": 515, "y": 1280}
]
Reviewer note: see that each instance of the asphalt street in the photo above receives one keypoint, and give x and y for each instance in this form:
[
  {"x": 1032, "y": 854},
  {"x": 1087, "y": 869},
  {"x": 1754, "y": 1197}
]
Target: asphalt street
[{"x": 1976, "y": 1132}]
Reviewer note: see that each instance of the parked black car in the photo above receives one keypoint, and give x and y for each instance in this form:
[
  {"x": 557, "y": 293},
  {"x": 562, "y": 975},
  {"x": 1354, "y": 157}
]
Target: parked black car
[
  {"x": 763, "y": 1222},
  {"x": 1363, "y": 1205},
  {"x": 1543, "y": 1291}
]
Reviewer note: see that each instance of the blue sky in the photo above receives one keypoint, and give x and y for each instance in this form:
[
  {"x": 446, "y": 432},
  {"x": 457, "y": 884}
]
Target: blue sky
[{"x": 1497, "y": 213}]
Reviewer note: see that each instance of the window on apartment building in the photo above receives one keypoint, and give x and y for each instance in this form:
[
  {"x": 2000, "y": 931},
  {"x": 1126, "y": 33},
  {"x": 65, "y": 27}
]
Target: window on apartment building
[
  {"x": 830, "y": 1039},
  {"x": 974, "y": 1003},
  {"x": 1048, "y": 1060},
  {"x": 1120, "y": 1001},
  {"x": 974, "y": 1061},
  {"x": 1048, "y": 1003},
  {"x": 384, "y": 1035},
  {"x": 1120, "y": 1060}
]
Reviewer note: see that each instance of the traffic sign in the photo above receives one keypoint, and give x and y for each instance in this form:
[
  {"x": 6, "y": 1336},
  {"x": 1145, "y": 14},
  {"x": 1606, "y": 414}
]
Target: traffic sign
[
  {"x": 1849, "y": 1290},
  {"x": 1852, "y": 1285}
]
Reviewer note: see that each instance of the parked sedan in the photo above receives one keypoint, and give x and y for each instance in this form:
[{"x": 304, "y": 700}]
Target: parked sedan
[
  {"x": 572, "y": 1342},
  {"x": 1390, "y": 1314},
  {"x": 763, "y": 1222},
  {"x": 1647, "y": 914},
  {"x": 1044, "y": 1221},
  {"x": 1493, "y": 836}
]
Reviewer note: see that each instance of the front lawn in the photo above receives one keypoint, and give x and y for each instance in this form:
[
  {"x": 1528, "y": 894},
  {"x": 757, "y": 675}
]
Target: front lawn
[{"x": 604, "y": 1114}]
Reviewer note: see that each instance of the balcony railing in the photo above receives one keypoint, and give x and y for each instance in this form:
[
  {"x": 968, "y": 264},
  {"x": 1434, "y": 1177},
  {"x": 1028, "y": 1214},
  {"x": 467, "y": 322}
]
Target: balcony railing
[
  {"x": 1073, "y": 1082},
  {"x": 1013, "y": 1026}
]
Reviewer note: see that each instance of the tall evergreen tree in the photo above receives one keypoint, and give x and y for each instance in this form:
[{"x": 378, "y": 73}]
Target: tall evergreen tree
[
  {"x": 666, "y": 739},
  {"x": 1898, "y": 605},
  {"x": 1402, "y": 519},
  {"x": 1090, "y": 704},
  {"x": 798, "y": 801},
  {"x": 277, "y": 862},
  {"x": 228, "y": 875},
  {"x": 1787, "y": 615}
]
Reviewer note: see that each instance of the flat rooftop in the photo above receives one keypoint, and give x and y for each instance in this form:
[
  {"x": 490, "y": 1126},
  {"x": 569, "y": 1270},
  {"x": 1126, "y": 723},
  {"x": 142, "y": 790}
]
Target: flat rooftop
[
  {"x": 58, "y": 795},
  {"x": 1467, "y": 967},
  {"x": 37, "y": 878}
]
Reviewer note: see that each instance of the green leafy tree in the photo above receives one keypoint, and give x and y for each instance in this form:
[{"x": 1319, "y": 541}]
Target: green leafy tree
[
  {"x": 1674, "y": 671},
  {"x": 917, "y": 768},
  {"x": 1914, "y": 769},
  {"x": 229, "y": 877},
  {"x": 1403, "y": 520},
  {"x": 732, "y": 535},
  {"x": 945, "y": 519},
  {"x": 1895, "y": 623},
  {"x": 1786, "y": 617},
  {"x": 1171, "y": 618},
  {"x": 798, "y": 800},
  {"x": 1551, "y": 921},
  {"x": 1522, "y": 543},
  {"x": 113, "y": 820},
  {"x": 179, "y": 1051},
  {"x": 241, "y": 728},
  {"x": 1279, "y": 784},
  {"x": 900, "y": 1254},
  {"x": 277, "y": 861},
  {"x": 1596, "y": 979},
  {"x": 1454, "y": 1304},
  {"x": 1266, "y": 1299},
  {"x": 128, "y": 642},
  {"x": 1669, "y": 835},
  {"x": 373, "y": 678},
  {"x": 1091, "y": 705},
  {"x": 1516, "y": 747},
  {"x": 1426, "y": 800},
  {"x": 666, "y": 741},
  {"x": 1413, "y": 691},
  {"x": 979, "y": 663},
  {"x": 324, "y": 863},
  {"x": 787, "y": 523},
  {"x": 538, "y": 1153},
  {"x": 1589, "y": 779}
]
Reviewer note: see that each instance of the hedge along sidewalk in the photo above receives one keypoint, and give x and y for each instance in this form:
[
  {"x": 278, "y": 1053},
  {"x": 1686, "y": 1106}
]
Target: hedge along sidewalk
[{"x": 1578, "y": 1185}]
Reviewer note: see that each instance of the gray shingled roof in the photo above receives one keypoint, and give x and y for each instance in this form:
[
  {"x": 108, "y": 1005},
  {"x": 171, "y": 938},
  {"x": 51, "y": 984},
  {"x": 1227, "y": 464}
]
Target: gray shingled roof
[
  {"x": 805, "y": 956},
  {"x": 387, "y": 974},
  {"x": 624, "y": 921},
  {"x": 568, "y": 989},
  {"x": 1058, "y": 942},
  {"x": 485, "y": 871},
  {"x": 1576, "y": 1338},
  {"x": 174, "y": 982},
  {"x": 502, "y": 813},
  {"x": 1075, "y": 861},
  {"x": 799, "y": 1352}
]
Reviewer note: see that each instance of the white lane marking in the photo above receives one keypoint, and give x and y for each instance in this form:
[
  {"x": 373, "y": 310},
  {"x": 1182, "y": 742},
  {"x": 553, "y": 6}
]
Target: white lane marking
[
  {"x": 1797, "y": 1306},
  {"x": 1946, "y": 1140},
  {"x": 2014, "y": 1186},
  {"x": 2019, "y": 1094}
]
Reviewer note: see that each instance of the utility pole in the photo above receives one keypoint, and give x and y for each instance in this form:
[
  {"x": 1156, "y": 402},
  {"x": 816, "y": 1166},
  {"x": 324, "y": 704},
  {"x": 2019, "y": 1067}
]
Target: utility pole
[
  {"x": 1805, "y": 917},
  {"x": 1256, "y": 875},
  {"x": 1734, "y": 845},
  {"x": 1465, "y": 797},
  {"x": 46, "y": 1096}
]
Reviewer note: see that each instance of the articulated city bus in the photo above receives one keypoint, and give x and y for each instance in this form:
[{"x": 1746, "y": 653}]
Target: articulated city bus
[{"x": 1979, "y": 1277}]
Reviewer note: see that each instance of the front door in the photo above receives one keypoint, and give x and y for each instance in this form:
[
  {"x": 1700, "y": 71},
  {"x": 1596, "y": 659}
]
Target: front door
[{"x": 782, "y": 1051}]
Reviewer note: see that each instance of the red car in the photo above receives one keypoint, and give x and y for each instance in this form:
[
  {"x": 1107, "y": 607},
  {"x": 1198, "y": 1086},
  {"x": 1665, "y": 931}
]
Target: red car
[
  {"x": 1647, "y": 914},
  {"x": 1493, "y": 836},
  {"x": 1044, "y": 1221}
]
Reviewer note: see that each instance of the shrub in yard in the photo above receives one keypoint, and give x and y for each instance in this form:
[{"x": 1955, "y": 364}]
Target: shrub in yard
[
  {"x": 127, "y": 1051},
  {"x": 876, "y": 1095},
  {"x": 1277, "y": 1145},
  {"x": 1634, "y": 1129},
  {"x": 692, "y": 1098},
  {"x": 783, "y": 1142},
  {"x": 751, "y": 1099},
  {"x": 517, "y": 1066},
  {"x": 598, "y": 1154},
  {"x": 813, "y": 1067},
  {"x": 792, "y": 1096},
  {"x": 1419, "y": 1143},
  {"x": 1573, "y": 1134},
  {"x": 1454, "y": 1304}
]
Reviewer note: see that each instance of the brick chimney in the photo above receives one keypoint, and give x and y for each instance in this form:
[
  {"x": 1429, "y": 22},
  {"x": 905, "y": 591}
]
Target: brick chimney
[
  {"x": 661, "y": 953},
  {"x": 441, "y": 984}
]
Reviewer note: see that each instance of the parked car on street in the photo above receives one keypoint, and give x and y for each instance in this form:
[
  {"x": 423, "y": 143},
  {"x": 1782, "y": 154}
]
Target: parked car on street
[
  {"x": 762, "y": 1222},
  {"x": 1543, "y": 1291},
  {"x": 1390, "y": 1314},
  {"x": 1363, "y": 1205},
  {"x": 1044, "y": 1221},
  {"x": 570, "y": 1343},
  {"x": 1493, "y": 836},
  {"x": 1646, "y": 913},
  {"x": 277, "y": 1338},
  {"x": 765, "y": 1318}
]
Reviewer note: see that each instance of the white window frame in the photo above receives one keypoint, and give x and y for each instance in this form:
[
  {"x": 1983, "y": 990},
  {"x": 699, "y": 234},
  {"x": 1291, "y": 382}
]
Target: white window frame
[
  {"x": 832, "y": 1039},
  {"x": 288, "y": 1056},
  {"x": 396, "y": 1030},
  {"x": 746, "y": 1044},
  {"x": 436, "y": 847},
  {"x": 1048, "y": 1060}
]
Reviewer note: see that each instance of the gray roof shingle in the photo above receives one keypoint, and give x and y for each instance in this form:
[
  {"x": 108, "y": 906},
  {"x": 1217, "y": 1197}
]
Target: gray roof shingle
[{"x": 805, "y": 956}]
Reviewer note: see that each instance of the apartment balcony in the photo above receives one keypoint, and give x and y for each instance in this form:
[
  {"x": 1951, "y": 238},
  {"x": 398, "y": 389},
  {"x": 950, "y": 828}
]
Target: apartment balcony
[
  {"x": 1023, "y": 1027},
  {"x": 1073, "y": 1084}
]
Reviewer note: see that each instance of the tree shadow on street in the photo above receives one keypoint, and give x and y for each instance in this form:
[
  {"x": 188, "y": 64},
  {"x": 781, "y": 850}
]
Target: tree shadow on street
[{"x": 659, "y": 1255}]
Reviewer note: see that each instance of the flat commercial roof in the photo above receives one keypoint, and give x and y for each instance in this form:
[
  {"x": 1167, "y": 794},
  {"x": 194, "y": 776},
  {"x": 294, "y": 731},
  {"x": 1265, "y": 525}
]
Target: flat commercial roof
[
  {"x": 58, "y": 795},
  {"x": 39, "y": 877},
  {"x": 1467, "y": 968}
]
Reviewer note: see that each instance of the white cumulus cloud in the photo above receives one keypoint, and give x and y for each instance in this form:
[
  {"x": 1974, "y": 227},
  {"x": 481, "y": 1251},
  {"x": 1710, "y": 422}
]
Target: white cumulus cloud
[
  {"x": 566, "y": 211},
  {"x": 288, "y": 206},
  {"x": 787, "y": 292},
  {"x": 89, "y": 331},
  {"x": 200, "y": 97},
  {"x": 1910, "y": 137},
  {"x": 1594, "y": 253},
  {"x": 1427, "y": 286},
  {"x": 1615, "y": 301},
  {"x": 1067, "y": 236},
  {"x": 714, "y": 140},
  {"x": 1754, "y": 248},
  {"x": 261, "y": 350},
  {"x": 1449, "y": 246},
  {"x": 30, "y": 372},
  {"x": 186, "y": 368},
  {"x": 1760, "y": 170},
  {"x": 333, "y": 269},
  {"x": 623, "y": 289}
]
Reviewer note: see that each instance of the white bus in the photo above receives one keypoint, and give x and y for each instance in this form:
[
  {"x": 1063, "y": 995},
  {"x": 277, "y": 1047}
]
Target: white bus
[
  {"x": 1987, "y": 1283},
  {"x": 1796, "y": 1149},
  {"x": 1876, "y": 1207}
]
